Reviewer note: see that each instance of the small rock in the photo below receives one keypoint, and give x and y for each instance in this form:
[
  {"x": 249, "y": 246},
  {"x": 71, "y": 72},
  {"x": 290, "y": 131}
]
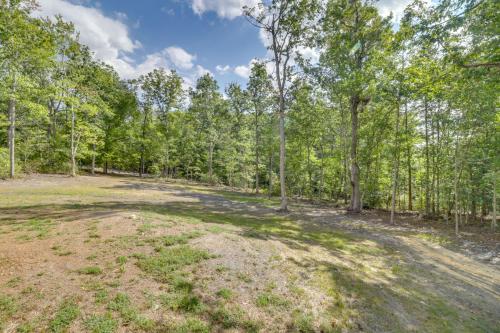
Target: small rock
[
  {"x": 486, "y": 256},
  {"x": 495, "y": 260}
]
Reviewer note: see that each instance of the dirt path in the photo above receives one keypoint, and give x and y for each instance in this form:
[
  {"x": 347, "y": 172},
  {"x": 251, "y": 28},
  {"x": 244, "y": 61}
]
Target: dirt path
[{"x": 470, "y": 284}]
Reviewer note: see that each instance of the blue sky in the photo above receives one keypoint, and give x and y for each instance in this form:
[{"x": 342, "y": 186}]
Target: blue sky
[{"x": 190, "y": 36}]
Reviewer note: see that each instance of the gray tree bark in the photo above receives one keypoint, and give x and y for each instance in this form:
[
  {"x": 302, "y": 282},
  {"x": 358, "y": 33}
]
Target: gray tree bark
[
  {"x": 73, "y": 146},
  {"x": 395, "y": 172},
  {"x": 12, "y": 137},
  {"x": 356, "y": 192}
]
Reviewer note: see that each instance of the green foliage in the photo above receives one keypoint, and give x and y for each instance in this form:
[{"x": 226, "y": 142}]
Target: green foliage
[{"x": 423, "y": 91}]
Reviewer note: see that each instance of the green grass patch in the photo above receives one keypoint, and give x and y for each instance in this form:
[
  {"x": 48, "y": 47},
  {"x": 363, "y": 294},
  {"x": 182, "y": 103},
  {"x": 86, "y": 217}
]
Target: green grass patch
[
  {"x": 123, "y": 306},
  {"x": 101, "y": 323},
  {"x": 224, "y": 293},
  {"x": 233, "y": 316},
  {"x": 268, "y": 299},
  {"x": 68, "y": 311},
  {"x": 90, "y": 270},
  {"x": 169, "y": 260},
  {"x": 121, "y": 260},
  {"x": 8, "y": 307},
  {"x": 436, "y": 239},
  {"x": 191, "y": 325},
  {"x": 14, "y": 282}
]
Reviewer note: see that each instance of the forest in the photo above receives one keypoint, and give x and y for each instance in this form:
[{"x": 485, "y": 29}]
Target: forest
[
  {"x": 394, "y": 124},
  {"x": 404, "y": 120}
]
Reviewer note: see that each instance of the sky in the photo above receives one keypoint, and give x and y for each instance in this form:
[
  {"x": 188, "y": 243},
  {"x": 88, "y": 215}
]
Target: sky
[{"x": 191, "y": 36}]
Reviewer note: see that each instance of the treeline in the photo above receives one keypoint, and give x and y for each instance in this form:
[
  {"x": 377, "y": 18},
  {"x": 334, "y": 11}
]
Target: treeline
[{"x": 404, "y": 119}]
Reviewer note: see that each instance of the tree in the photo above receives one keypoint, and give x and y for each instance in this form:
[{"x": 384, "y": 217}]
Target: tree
[
  {"x": 284, "y": 22},
  {"x": 260, "y": 91},
  {"x": 209, "y": 110},
  {"x": 25, "y": 47},
  {"x": 353, "y": 36},
  {"x": 164, "y": 91}
]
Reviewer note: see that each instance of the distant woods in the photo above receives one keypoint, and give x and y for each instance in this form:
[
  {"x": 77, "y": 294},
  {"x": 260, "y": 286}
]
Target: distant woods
[{"x": 395, "y": 115}]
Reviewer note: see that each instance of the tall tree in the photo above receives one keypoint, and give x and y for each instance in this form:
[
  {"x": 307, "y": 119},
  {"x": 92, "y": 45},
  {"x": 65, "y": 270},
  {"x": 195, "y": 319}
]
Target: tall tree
[
  {"x": 284, "y": 22},
  {"x": 354, "y": 36},
  {"x": 260, "y": 90},
  {"x": 25, "y": 47},
  {"x": 164, "y": 90}
]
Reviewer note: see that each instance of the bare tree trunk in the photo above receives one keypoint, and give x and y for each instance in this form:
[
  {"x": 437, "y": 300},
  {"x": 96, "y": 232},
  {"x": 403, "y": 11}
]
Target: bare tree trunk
[
  {"x": 256, "y": 151},
  {"x": 12, "y": 136},
  {"x": 92, "y": 170},
  {"x": 210, "y": 161},
  {"x": 284, "y": 200},
  {"x": 408, "y": 159},
  {"x": 494, "y": 217},
  {"x": 270, "y": 190},
  {"x": 73, "y": 147},
  {"x": 395, "y": 172},
  {"x": 356, "y": 192},
  {"x": 427, "y": 166},
  {"x": 455, "y": 186}
]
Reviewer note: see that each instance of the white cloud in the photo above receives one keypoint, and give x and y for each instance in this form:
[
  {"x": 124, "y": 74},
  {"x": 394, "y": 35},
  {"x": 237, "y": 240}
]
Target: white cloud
[
  {"x": 222, "y": 69},
  {"x": 107, "y": 37},
  {"x": 396, "y": 7},
  {"x": 180, "y": 57},
  {"x": 224, "y": 8},
  {"x": 243, "y": 71},
  {"x": 110, "y": 41}
]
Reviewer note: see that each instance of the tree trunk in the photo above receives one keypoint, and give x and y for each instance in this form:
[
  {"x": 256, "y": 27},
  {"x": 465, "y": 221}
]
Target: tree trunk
[
  {"x": 395, "y": 171},
  {"x": 408, "y": 159},
  {"x": 427, "y": 162},
  {"x": 92, "y": 170},
  {"x": 455, "y": 186},
  {"x": 73, "y": 147},
  {"x": 12, "y": 136},
  {"x": 270, "y": 189},
  {"x": 284, "y": 200},
  {"x": 256, "y": 151},
  {"x": 210, "y": 161},
  {"x": 494, "y": 217},
  {"x": 356, "y": 193}
]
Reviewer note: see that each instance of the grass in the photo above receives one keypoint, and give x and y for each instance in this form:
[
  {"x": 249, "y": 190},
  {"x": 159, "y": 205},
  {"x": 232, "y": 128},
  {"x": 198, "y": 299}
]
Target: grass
[
  {"x": 268, "y": 299},
  {"x": 122, "y": 304},
  {"x": 8, "y": 307},
  {"x": 171, "y": 259},
  {"x": 90, "y": 270},
  {"x": 233, "y": 316},
  {"x": 182, "y": 298},
  {"x": 101, "y": 323},
  {"x": 224, "y": 293},
  {"x": 68, "y": 311},
  {"x": 191, "y": 325},
  {"x": 436, "y": 239}
]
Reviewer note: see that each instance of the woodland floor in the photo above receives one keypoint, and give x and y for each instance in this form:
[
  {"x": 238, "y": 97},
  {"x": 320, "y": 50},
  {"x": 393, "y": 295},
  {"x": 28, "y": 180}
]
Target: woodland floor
[{"x": 123, "y": 254}]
